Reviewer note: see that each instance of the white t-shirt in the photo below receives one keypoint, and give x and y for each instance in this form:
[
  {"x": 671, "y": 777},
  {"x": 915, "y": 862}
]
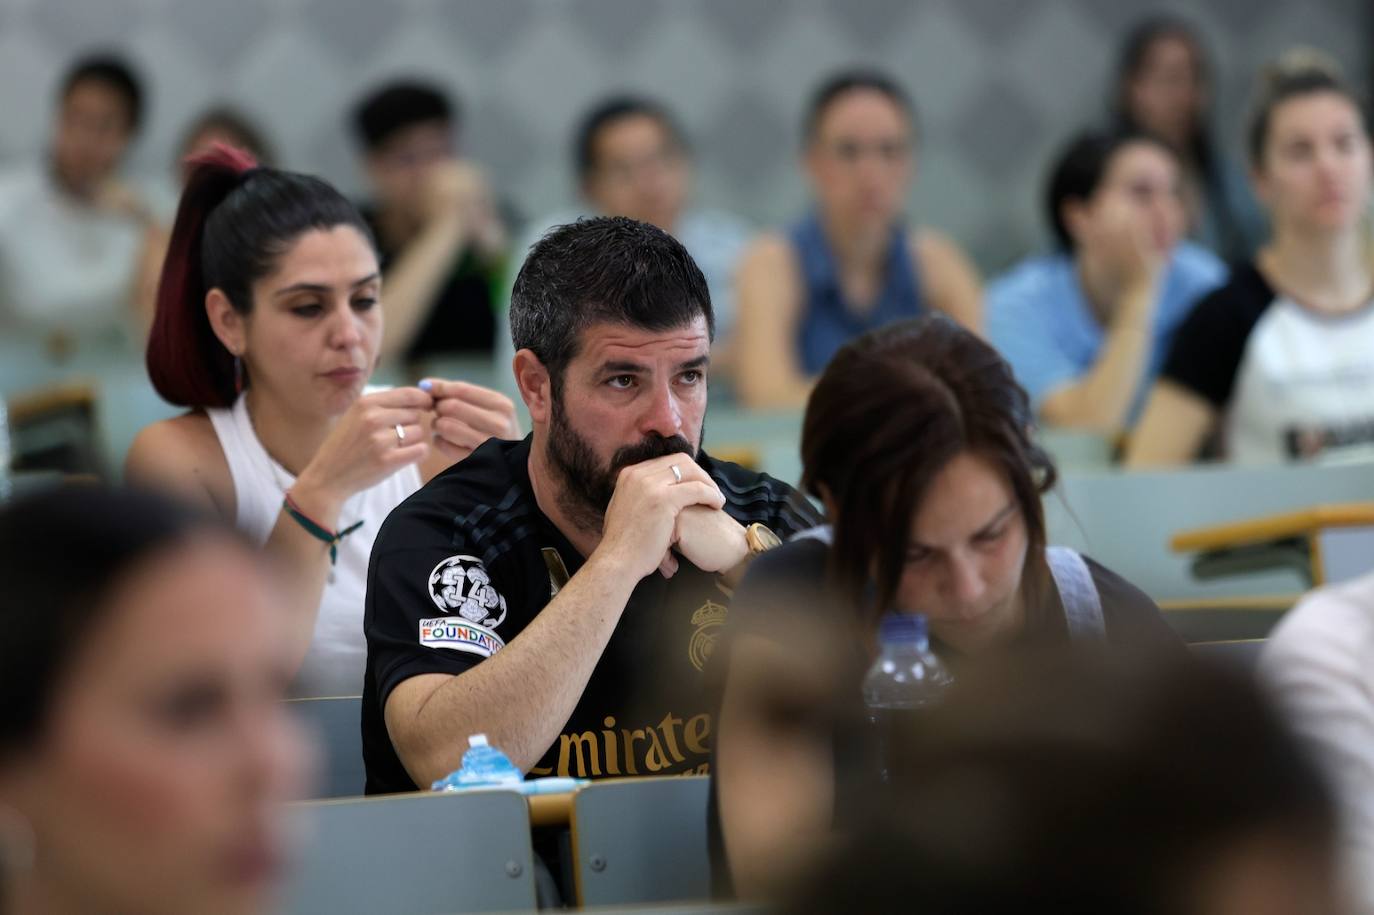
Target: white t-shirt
[
  {"x": 1291, "y": 383},
  {"x": 1320, "y": 664},
  {"x": 334, "y": 664},
  {"x": 62, "y": 263}
]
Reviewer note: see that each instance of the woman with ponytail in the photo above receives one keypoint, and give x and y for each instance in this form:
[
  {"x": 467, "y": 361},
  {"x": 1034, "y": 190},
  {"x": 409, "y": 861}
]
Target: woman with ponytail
[{"x": 268, "y": 327}]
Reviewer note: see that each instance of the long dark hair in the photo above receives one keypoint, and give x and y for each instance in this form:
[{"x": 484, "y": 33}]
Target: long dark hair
[
  {"x": 234, "y": 220},
  {"x": 890, "y": 411},
  {"x": 1199, "y": 151},
  {"x": 63, "y": 554}
]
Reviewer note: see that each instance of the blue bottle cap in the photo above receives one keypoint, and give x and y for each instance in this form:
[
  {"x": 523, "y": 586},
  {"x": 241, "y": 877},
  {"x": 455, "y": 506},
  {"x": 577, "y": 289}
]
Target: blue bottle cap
[{"x": 903, "y": 629}]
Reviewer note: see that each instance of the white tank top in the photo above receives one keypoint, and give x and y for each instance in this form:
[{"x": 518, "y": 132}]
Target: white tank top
[{"x": 334, "y": 664}]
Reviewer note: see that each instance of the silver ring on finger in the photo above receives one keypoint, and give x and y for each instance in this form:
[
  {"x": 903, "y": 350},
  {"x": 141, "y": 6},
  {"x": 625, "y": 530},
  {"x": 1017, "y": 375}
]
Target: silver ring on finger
[
  {"x": 677, "y": 474},
  {"x": 400, "y": 434}
]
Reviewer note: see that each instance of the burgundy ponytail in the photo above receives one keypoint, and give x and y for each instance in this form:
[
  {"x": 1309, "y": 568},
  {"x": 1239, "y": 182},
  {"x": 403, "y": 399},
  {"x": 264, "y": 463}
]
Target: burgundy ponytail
[
  {"x": 236, "y": 220},
  {"x": 187, "y": 363}
]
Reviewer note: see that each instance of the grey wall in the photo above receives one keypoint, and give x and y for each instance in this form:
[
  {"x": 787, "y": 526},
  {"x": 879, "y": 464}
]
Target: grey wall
[{"x": 999, "y": 82}]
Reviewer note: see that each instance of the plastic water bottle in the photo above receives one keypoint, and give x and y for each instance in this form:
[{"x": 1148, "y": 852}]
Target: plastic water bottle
[
  {"x": 483, "y": 766},
  {"x": 906, "y": 678}
]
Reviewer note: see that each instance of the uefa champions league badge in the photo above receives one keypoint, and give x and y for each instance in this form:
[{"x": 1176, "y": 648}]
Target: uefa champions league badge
[{"x": 461, "y": 585}]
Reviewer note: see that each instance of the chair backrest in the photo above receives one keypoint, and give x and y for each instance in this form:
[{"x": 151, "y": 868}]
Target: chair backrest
[
  {"x": 336, "y": 725},
  {"x": 415, "y": 854},
  {"x": 1242, "y": 653},
  {"x": 643, "y": 840},
  {"x": 1125, "y": 520}
]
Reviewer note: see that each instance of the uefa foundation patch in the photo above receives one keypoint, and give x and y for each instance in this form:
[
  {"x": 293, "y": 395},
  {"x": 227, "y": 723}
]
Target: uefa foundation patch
[{"x": 460, "y": 636}]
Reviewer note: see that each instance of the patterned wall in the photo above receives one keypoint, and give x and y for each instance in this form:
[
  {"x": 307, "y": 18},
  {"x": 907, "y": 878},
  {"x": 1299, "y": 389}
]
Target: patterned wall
[{"x": 998, "y": 82}]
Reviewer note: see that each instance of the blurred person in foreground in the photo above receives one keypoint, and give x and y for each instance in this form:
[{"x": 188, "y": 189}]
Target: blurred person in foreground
[
  {"x": 918, "y": 442},
  {"x": 1319, "y": 662},
  {"x": 854, "y": 262},
  {"x": 71, "y": 229},
  {"x": 1086, "y": 328},
  {"x": 440, "y": 233},
  {"x": 1278, "y": 364},
  {"x": 1164, "y": 86},
  {"x": 1060, "y": 782},
  {"x": 632, "y": 158},
  {"x": 144, "y": 747}
]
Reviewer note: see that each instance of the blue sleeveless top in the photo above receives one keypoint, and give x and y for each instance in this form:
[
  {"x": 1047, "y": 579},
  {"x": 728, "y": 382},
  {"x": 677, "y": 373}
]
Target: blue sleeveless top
[{"x": 828, "y": 322}]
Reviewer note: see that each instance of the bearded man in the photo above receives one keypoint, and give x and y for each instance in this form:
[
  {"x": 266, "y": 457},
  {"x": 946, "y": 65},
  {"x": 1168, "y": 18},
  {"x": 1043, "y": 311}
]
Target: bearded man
[{"x": 604, "y": 545}]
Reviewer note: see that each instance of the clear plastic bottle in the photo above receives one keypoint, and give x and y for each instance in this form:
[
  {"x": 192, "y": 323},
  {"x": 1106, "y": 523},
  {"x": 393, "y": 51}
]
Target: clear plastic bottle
[
  {"x": 483, "y": 766},
  {"x": 906, "y": 678}
]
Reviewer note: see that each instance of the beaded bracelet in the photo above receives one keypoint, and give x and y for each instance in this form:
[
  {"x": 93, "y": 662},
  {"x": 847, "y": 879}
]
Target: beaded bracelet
[{"x": 316, "y": 530}]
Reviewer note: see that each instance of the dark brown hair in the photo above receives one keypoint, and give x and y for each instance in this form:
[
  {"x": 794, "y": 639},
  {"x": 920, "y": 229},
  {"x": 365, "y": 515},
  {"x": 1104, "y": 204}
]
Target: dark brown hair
[
  {"x": 1298, "y": 72},
  {"x": 890, "y": 411}
]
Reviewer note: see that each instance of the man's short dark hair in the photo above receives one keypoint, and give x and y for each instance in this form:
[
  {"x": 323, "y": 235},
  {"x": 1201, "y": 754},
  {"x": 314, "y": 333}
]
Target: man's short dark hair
[
  {"x": 609, "y": 269},
  {"x": 846, "y": 81},
  {"x": 1079, "y": 171},
  {"x": 111, "y": 71},
  {"x": 396, "y": 106},
  {"x": 614, "y": 109}
]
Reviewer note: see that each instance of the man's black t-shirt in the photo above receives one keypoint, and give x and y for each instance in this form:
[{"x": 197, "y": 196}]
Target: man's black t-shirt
[
  {"x": 462, "y": 567},
  {"x": 462, "y": 318}
]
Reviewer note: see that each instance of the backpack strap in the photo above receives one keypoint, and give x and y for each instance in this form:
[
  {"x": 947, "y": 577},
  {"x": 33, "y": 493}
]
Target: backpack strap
[{"x": 1078, "y": 593}]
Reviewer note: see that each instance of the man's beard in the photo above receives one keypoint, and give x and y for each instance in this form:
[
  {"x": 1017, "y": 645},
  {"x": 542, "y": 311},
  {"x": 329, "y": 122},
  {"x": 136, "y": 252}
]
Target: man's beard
[{"x": 587, "y": 487}]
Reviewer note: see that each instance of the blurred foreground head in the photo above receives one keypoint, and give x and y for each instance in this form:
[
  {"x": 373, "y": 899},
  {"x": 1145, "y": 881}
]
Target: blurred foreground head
[
  {"x": 1071, "y": 783},
  {"x": 144, "y": 748}
]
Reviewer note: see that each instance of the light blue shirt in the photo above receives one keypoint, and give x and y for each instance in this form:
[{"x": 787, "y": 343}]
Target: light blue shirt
[{"x": 1039, "y": 319}]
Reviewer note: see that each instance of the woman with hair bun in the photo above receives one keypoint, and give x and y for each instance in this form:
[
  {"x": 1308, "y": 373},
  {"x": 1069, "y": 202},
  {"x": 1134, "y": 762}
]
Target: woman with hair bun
[
  {"x": 268, "y": 327},
  {"x": 1278, "y": 364}
]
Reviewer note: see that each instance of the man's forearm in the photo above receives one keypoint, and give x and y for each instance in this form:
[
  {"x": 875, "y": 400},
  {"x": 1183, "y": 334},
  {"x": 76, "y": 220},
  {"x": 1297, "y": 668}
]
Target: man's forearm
[{"x": 522, "y": 696}]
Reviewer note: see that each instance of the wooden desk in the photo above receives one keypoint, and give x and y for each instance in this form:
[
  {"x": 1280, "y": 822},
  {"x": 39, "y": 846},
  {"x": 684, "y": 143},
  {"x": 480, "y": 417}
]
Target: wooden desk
[
  {"x": 551, "y": 809},
  {"x": 1337, "y": 539}
]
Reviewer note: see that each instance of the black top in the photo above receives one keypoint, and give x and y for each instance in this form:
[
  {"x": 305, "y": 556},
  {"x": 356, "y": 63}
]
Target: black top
[
  {"x": 1209, "y": 346},
  {"x": 463, "y": 566},
  {"x": 462, "y": 317},
  {"x": 1291, "y": 382},
  {"x": 788, "y": 587}
]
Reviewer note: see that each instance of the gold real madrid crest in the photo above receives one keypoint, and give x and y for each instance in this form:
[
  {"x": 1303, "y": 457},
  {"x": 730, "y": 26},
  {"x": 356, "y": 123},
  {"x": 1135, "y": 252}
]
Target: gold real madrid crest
[{"x": 708, "y": 619}]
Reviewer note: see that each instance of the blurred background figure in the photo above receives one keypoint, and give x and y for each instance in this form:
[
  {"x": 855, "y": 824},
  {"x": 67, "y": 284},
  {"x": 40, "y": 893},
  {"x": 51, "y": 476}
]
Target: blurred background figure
[
  {"x": 220, "y": 124},
  {"x": 1062, "y": 782},
  {"x": 1319, "y": 663},
  {"x": 1278, "y": 364},
  {"x": 853, "y": 262},
  {"x": 1164, "y": 86},
  {"x": 144, "y": 747},
  {"x": 441, "y": 235},
  {"x": 1087, "y": 327},
  {"x": 71, "y": 229},
  {"x": 632, "y": 158},
  {"x": 917, "y": 442},
  {"x": 229, "y": 126}
]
